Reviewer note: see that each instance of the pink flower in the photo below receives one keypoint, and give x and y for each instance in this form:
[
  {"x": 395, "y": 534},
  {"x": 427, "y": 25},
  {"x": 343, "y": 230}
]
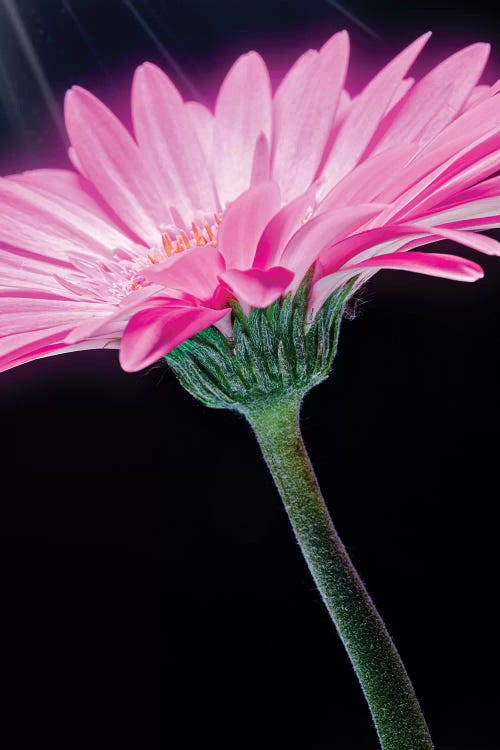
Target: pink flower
[{"x": 153, "y": 236}]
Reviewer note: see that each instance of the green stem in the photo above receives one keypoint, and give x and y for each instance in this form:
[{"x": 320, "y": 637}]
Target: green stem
[{"x": 386, "y": 685}]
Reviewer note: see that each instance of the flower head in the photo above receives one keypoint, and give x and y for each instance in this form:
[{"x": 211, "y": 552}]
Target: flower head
[{"x": 154, "y": 237}]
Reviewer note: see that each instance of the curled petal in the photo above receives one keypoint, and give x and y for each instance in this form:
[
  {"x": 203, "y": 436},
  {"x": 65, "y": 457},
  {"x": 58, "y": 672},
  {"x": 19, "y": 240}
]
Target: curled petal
[
  {"x": 153, "y": 332},
  {"x": 258, "y": 288},
  {"x": 430, "y": 264},
  {"x": 244, "y": 222}
]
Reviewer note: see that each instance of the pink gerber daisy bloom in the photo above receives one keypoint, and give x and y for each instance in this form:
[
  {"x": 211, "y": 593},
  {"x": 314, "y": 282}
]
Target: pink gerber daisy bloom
[{"x": 155, "y": 235}]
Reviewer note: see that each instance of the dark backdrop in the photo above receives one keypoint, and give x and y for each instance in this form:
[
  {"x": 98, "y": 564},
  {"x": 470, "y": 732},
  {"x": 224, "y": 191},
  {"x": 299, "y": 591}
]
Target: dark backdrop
[{"x": 152, "y": 594}]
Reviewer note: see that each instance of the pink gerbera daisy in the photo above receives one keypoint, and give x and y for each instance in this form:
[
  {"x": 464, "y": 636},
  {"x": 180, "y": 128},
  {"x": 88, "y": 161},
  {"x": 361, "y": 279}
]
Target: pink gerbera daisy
[{"x": 156, "y": 235}]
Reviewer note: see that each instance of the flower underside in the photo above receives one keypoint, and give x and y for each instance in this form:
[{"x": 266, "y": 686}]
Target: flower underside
[{"x": 273, "y": 352}]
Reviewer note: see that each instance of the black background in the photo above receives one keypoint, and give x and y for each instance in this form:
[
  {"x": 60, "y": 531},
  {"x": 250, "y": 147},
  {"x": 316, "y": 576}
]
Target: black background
[{"x": 152, "y": 595}]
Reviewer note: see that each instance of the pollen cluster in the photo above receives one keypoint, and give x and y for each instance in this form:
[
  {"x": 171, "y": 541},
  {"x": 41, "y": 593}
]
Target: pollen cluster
[
  {"x": 197, "y": 237},
  {"x": 206, "y": 235}
]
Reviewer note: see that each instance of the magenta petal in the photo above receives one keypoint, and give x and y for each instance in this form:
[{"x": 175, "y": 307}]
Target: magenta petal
[
  {"x": 480, "y": 242},
  {"x": 28, "y": 345},
  {"x": 394, "y": 237},
  {"x": 194, "y": 272},
  {"x": 244, "y": 222},
  {"x": 478, "y": 154},
  {"x": 486, "y": 189},
  {"x": 432, "y": 264},
  {"x": 242, "y": 113},
  {"x": 281, "y": 228},
  {"x": 320, "y": 232},
  {"x": 258, "y": 288},
  {"x": 154, "y": 332}
]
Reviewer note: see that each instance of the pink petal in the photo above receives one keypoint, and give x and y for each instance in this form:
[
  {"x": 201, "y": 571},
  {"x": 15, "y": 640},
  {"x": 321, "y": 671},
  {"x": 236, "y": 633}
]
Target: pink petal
[
  {"x": 112, "y": 162},
  {"x": 477, "y": 95},
  {"x": 261, "y": 164},
  {"x": 244, "y": 222},
  {"x": 393, "y": 237},
  {"x": 194, "y": 271},
  {"x": 258, "y": 288},
  {"x": 48, "y": 224},
  {"x": 115, "y": 318},
  {"x": 432, "y": 264},
  {"x": 486, "y": 189},
  {"x": 321, "y": 231},
  {"x": 68, "y": 185},
  {"x": 368, "y": 179},
  {"x": 154, "y": 332},
  {"x": 24, "y": 314},
  {"x": 24, "y": 346},
  {"x": 428, "y": 184},
  {"x": 281, "y": 228},
  {"x": 401, "y": 91},
  {"x": 75, "y": 161},
  {"x": 366, "y": 112},
  {"x": 468, "y": 127},
  {"x": 465, "y": 178},
  {"x": 479, "y": 242},
  {"x": 343, "y": 107},
  {"x": 203, "y": 122},
  {"x": 40, "y": 351},
  {"x": 20, "y": 269},
  {"x": 242, "y": 112},
  {"x": 304, "y": 110},
  {"x": 435, "y": 100},
  {"x": 169, "y": 144}
]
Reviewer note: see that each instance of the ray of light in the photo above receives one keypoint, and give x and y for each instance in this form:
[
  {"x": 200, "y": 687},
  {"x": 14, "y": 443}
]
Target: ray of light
[
  {"x": 354, "y": 19},
  {"x": 35, "y": 65},
  {"x": 164, "y": 51}
]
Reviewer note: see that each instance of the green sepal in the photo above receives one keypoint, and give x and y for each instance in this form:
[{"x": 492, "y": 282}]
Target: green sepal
[{"x": 274, "y": 352}]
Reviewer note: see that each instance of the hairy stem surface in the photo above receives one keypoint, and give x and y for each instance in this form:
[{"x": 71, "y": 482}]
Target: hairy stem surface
[{"x": 393, "y": 704}]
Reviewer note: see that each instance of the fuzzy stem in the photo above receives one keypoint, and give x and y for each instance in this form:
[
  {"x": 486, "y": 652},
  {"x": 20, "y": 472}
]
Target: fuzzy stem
[{"x": 387, "y": 688}]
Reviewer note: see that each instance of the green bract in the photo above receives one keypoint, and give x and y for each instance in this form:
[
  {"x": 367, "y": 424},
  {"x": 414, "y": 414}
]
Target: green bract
[{"x": 274, "y": 352}]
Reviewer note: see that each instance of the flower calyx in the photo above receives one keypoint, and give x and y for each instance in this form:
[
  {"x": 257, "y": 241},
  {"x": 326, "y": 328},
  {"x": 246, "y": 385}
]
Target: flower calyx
[{"x": 275, "y": 352}]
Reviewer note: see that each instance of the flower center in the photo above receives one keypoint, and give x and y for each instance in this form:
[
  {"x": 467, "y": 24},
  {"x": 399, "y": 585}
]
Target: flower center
[
  {"x": 177, "y": 241},
  {"x": 197, "y": 237}
]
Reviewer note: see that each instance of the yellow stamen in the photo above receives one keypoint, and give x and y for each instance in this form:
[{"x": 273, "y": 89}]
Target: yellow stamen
[
  {"x": 208, "y": 230},
  {"x": 186, "y": 240},
  {"x": 167, "y": 244},
  {"x": 197, "y": 235}
]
